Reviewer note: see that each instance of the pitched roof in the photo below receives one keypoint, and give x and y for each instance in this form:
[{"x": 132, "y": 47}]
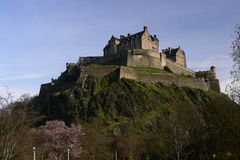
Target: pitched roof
[
  {"x": 113, "y": 37},
  {"x": 171, "y": 52},
  {"x": 139, "y": 34}
]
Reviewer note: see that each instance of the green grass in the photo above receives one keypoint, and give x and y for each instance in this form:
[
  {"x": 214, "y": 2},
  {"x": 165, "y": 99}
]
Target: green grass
[
  {"x": 150, "y": 70},
  {"x": 100, "y": 85},
  {"x": 96, "y": 65}
]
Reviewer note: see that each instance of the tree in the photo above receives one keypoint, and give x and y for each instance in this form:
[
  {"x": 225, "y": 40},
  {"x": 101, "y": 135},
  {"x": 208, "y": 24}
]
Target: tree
[
  {"x": 96, "y": 142},
  {"x": 234, "y": 88},
  {"x": 178, "y": 134},
  {"x": 53, "y": 139},
  {"x": 13, "y": 124},
  {"x": 181, "y": 127}
]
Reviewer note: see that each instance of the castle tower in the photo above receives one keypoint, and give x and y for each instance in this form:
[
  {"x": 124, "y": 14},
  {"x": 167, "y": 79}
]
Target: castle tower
[{"x": 213, "y": 72}]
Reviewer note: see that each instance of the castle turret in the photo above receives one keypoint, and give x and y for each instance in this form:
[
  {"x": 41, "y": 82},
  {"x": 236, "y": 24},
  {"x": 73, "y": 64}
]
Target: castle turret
[{"x": 213, "y": 72}]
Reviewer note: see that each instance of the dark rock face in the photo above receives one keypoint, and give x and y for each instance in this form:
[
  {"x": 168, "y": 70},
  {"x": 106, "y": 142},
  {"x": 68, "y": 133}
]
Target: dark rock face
[{"x": 124, "y": 97}]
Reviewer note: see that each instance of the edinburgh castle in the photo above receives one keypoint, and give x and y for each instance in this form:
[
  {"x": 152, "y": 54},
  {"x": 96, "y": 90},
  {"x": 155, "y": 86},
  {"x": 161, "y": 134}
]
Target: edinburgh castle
[{"x": 137, "y": 56}]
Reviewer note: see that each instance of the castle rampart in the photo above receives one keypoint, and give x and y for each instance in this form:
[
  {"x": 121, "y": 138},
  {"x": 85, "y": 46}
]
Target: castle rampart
[{"x": 119, "y": 72}]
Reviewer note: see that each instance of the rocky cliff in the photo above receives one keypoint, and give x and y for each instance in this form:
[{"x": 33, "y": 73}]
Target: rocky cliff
[{"x": 210, "y": 120}]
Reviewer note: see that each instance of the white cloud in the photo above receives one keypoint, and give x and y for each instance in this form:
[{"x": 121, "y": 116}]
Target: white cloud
[
  {"x": 221, "y": 61},
  {"x": 21, "y": 77},
  {"x": 15, "y": 92}
]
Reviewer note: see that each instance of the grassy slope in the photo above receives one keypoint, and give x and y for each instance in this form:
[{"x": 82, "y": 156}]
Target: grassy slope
[{"x": 150, "y": 70}]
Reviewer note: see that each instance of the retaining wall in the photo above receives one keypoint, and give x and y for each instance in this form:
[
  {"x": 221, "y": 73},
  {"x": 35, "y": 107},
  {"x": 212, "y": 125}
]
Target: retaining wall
[
  {"x": 117, "y": 72},
  {"x": 166, "y": 79}
]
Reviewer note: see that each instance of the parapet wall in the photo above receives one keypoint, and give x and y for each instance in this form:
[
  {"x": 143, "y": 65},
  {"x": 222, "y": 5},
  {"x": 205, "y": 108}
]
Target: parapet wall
[
  {"x": 166, "y": 79},
  {"x": 113, "y": 59}
]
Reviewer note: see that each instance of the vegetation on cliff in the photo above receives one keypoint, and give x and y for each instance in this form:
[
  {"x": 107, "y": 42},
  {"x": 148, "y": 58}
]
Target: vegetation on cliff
[{"x": 129, "y": 119}]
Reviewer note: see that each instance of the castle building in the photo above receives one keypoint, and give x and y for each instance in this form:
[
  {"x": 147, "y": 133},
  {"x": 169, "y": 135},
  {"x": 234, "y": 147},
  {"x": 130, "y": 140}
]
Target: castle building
[
  {"x": 142, "y": 50},
  {"x": 140, "y": 40},
  {"x": 176, "y": 55}
]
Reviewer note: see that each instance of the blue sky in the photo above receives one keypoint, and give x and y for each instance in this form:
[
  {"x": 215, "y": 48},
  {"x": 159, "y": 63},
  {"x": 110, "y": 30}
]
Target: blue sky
[{"x": 37, "y": 37}]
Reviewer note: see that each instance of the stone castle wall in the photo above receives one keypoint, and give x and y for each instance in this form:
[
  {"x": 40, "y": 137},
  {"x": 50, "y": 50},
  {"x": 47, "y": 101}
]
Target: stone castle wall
[
  {"x": 214, "y": 85},
  {"x": 99, "y": 72},
  {"x": 181, "y": 59},
  {"x": 209, "y": 76},
  {"x": 148, "y": 42},
  {"x": 143, "y": 58},
  {"x": 117, "y": 72},
  {"x": 166, "y": 79},
  {"x": 108, "y": 60}
]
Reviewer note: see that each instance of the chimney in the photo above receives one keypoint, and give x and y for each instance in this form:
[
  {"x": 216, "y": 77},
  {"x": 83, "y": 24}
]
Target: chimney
[{"x": 144, "y": 28}]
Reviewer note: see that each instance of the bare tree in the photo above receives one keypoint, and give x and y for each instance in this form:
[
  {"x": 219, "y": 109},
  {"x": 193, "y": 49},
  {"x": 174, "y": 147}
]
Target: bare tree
[
  {"x": 179, "y": 125},
  {"x": 13, "y": 124},
  {"x": 178, "y": 135},
  {"x": 233, "y": 89},
  {"x": 6, "y": 100}
]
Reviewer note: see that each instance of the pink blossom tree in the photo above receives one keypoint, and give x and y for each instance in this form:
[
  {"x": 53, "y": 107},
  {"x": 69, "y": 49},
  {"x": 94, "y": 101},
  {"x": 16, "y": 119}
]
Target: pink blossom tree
[{"x": 53, "y": 139}]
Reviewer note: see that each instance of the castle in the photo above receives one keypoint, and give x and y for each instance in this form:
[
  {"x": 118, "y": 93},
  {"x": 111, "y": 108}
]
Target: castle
[
  {"x": 128, "y": 56},
  {"x": 141, "y": 50}
]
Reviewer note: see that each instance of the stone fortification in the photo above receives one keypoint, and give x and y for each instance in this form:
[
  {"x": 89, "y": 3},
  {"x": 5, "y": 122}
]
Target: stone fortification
[
  {"x": 119, "y": 72},
  {"x": 166, "y": 79},
  {"x": 209, "y": 76},
  {"x": 143, "y": 58},
  {"x": 137, "y": 50}
]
